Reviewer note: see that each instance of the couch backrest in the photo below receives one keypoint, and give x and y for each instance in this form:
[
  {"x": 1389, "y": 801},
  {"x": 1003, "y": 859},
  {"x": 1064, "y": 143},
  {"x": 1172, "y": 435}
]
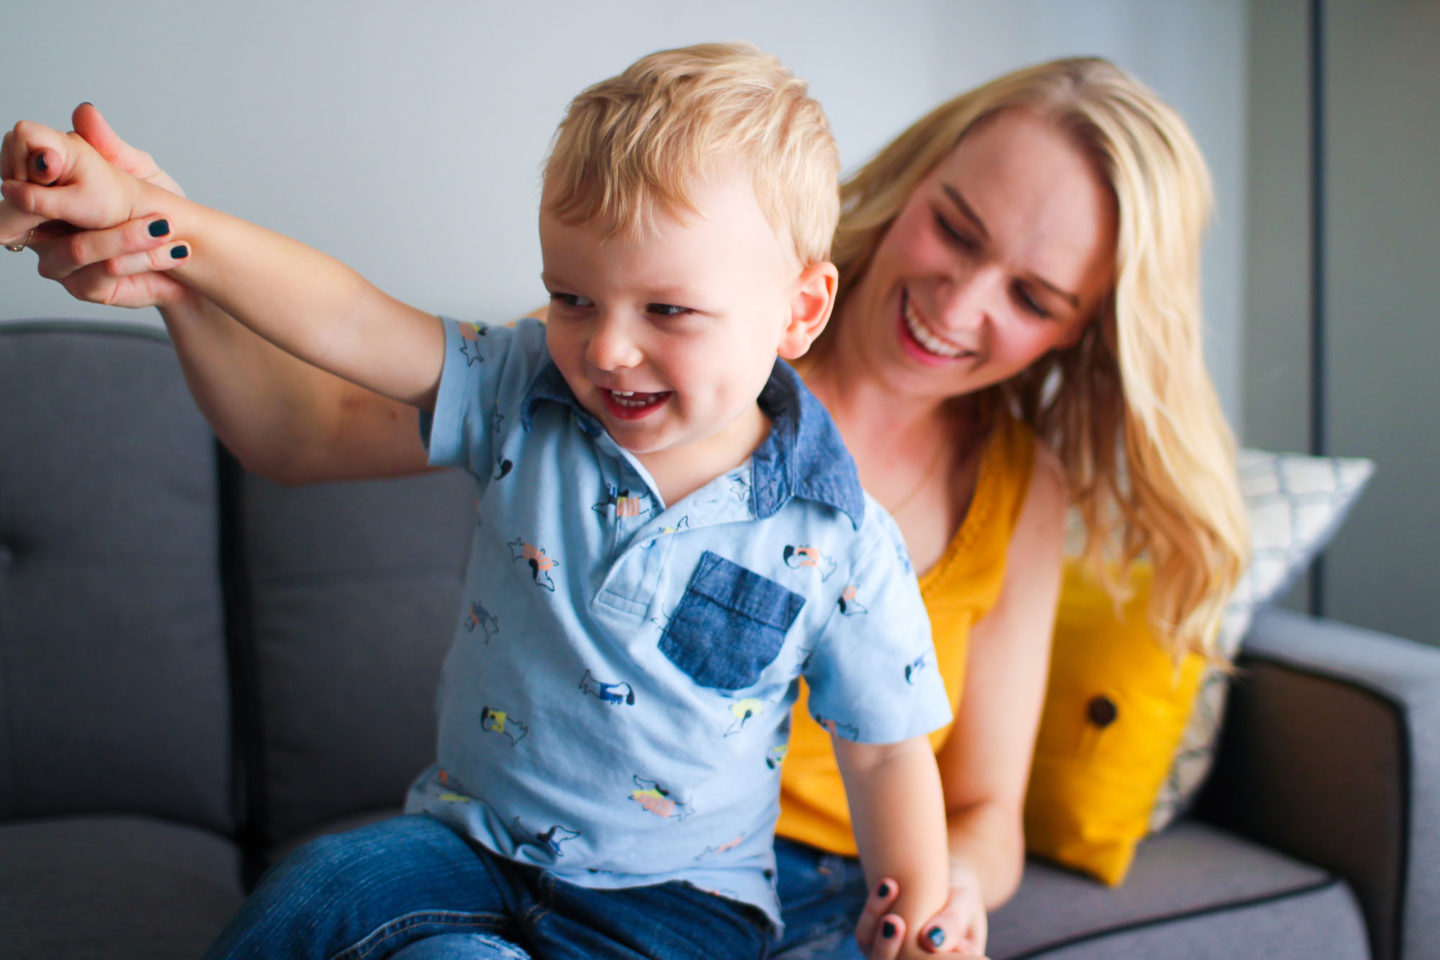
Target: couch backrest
[
  {"x": 124, "y": 655},
  {"x": 349, "y": 597},
  {"x": 114, "y": 692}
]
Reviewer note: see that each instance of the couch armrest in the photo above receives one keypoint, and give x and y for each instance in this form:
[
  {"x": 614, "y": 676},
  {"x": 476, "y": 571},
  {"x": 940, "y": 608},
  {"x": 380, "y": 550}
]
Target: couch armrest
[{"x": 1331, "y": 753}]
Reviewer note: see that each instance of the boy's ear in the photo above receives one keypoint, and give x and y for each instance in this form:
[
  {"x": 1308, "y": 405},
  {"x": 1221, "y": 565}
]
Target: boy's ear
[{"x": 810, "y": 308}]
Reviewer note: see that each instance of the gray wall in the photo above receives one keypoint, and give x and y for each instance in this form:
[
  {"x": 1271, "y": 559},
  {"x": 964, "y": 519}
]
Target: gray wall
[
  {"x": 1275, "y": 334},
  {"x": 1381, "y": 146},
  {"x": 406, "y": 138}
]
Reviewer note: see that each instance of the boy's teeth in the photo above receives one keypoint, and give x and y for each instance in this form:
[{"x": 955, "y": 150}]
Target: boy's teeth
[
  {"x": 928, "y": 340},
  {"x": 629, "y": 398}
]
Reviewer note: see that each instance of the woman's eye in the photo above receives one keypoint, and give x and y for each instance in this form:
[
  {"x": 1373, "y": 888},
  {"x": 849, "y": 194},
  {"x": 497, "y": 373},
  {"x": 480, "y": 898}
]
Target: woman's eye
[
  {"x": 569, "y": 300},
  {"x": 667, "y": 309},
  {"x": 958, "y": 237},
  {"x": 1029, "y": 304}
]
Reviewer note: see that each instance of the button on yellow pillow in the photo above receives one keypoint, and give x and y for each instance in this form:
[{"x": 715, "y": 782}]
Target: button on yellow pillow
[{"x": 1114, "y": 712}]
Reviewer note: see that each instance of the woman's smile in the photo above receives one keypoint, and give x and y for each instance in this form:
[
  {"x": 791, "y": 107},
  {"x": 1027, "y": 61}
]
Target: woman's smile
[{"x": 916, "y": 335}]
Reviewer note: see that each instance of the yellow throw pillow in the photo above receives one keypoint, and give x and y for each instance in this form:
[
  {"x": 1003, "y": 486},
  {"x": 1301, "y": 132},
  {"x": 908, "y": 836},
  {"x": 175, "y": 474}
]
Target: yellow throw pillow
[{"x": 1114, "y": 712}]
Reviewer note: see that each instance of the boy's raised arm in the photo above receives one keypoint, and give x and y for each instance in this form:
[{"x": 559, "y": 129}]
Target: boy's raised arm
[
  {"x": 898, "y": 813},
  {"x": 310, "y": 305}
]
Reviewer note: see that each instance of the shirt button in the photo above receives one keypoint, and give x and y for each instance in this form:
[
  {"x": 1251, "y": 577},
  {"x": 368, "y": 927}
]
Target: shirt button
[{"x": 1102, "y": 711}]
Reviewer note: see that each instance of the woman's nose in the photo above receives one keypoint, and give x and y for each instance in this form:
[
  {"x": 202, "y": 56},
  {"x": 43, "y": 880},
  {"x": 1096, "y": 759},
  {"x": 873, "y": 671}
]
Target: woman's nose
[
  {"x": 967, "y": 300},
  {"x": 612, "y": 345}
]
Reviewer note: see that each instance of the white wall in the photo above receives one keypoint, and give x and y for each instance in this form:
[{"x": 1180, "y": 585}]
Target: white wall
[{"x": 406, "y": 138}]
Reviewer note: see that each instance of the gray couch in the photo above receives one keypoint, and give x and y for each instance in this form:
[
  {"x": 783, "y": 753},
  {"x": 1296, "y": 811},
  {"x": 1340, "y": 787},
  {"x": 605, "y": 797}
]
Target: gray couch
[{"x": 200, "y": 669}]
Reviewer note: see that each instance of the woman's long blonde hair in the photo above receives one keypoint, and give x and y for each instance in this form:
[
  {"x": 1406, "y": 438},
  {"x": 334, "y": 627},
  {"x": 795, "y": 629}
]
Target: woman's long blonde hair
[{"x": 1130, "y": 410}]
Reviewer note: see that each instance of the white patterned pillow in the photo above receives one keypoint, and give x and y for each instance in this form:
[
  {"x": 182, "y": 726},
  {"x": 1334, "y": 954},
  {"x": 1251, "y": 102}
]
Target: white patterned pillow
[{"x": 1295, "y": 503}]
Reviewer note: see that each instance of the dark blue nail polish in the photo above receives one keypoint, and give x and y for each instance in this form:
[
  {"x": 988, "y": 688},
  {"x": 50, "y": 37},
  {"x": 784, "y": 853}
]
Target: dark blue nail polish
[
  {"x": 40, "y": 163},
  {"x": 887, "y": 930},
  {"x": 159, "y": 228},
  {"x": 179, "y": 252},
  {"x": 936, "y": 936},
  {"x": 883, "y": 890}
]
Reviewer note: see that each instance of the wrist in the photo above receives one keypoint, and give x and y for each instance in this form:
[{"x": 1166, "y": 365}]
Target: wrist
[
  {"x": 147, "y": 200},
  {"x": 184, "y": 308},
  {"x": 963, "y": 875}
]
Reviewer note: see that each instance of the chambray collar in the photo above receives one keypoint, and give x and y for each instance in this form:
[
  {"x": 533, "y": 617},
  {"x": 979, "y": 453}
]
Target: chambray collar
[{"x": 801, "y": 456}]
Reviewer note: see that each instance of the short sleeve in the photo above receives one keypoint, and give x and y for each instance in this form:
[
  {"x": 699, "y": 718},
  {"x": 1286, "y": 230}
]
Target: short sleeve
[
  {"x": 483, "y": 382},
  {"x": 872, "y": 675}
]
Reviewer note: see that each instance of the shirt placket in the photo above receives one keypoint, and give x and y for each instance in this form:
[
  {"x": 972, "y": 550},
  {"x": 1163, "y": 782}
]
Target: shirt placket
[{"x": 629, "y": 585}]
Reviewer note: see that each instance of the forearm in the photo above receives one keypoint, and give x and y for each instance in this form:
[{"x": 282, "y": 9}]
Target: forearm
[
  {"x": 283, "y": 418},
  {"x": 987, "y": 847},
  {"x": 898, "y": 814},
  {"x": 303, "y": 301}
]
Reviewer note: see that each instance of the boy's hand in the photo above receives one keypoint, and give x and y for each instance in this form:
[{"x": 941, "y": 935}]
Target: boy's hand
[
  {"x": 95, "y": 129},
  {"x": 58, "y": 176},
  {"x": 882, "y": 933}
]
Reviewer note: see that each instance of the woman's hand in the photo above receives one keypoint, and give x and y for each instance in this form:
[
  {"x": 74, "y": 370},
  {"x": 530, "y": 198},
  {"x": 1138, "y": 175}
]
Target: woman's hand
[
  {"x": 881, "y": 933},
  {"x": 122, "y": 266}
]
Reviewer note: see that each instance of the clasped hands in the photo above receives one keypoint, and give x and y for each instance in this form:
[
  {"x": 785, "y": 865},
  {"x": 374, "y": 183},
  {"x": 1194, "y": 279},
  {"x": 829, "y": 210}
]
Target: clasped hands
[
  {"x": 881, "y": 933},
  {"x": 98, "y": 251}
]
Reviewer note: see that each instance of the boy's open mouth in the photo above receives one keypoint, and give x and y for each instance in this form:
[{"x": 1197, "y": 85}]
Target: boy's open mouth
[{"x": 632, "y": 405}]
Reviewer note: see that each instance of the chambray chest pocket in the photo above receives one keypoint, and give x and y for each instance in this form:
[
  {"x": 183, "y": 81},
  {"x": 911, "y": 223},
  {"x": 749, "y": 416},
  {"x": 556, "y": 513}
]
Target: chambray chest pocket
[{"x": 729, "y": 625}]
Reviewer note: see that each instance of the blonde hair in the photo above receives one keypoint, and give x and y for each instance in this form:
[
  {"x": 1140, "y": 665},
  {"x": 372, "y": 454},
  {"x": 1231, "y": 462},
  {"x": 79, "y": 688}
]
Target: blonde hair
[
  {"x": 1130, "y": 410},
  {"x": 639, "y": 142}
]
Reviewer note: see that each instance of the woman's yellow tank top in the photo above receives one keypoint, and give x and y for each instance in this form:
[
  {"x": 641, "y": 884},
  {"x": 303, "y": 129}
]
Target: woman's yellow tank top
[{"x": 958, "y": 590}]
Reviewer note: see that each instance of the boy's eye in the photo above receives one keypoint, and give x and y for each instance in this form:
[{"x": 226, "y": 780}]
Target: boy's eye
[
  {"x": 569, "y": 300},
  {"x": 667, "y": 309}
]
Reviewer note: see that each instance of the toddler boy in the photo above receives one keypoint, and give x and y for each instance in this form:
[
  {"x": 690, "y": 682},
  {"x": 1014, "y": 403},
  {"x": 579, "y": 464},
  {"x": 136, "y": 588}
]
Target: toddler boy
[{"x": 670, "y": 534}]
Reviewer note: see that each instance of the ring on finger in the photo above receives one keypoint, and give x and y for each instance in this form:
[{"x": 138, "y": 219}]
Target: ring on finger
[{"x": 20, "y": 247}]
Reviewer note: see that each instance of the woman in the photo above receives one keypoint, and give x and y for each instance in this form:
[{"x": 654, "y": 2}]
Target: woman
[
  {"x": 1021, "y": 265},
  {"x": 1018, "y": 334}
]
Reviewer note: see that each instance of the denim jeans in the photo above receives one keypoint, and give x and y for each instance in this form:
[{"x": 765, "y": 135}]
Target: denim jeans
[
  {"x": 412, "y": 888},
  {"x": 821, "y": 896}
]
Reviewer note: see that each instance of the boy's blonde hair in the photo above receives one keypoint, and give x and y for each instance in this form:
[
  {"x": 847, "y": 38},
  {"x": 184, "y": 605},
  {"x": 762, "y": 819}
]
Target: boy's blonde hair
[
  {"x": 639, "y": 142},
  {"x": 1130, "y": 410}
]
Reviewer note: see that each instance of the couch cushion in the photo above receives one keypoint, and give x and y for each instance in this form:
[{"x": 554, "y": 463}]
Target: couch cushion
[
  {"x": 1220, "y": 895},
  {"x": 114, "y": 887},
  {"x": 113, "y": 686},
  {"x": 353, "y": 594}
]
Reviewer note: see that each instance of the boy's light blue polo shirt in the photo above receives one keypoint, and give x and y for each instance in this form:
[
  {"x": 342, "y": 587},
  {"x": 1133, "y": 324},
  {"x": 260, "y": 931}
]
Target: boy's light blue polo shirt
[{"x": 615, "y": 705}]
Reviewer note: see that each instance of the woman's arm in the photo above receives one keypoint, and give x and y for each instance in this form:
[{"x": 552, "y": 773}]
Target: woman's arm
[
  {"x": 985, "y": 762},
  {"x": 282, "y": 417}
]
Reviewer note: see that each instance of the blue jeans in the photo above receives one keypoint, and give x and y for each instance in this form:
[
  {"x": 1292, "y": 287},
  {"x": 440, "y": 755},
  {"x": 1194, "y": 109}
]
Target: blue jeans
[
  {"x": 412, "y": 888},
  {"x": 821, "y": 896}
]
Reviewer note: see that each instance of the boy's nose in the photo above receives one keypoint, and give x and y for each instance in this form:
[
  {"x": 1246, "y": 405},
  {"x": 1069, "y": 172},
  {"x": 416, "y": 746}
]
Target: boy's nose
[{"x": 611, "y": 346}]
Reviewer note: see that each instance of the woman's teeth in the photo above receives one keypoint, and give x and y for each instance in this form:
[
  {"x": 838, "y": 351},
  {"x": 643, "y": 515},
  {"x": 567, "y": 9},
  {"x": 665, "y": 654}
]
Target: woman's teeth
[{"x": 928, "y": 340}]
